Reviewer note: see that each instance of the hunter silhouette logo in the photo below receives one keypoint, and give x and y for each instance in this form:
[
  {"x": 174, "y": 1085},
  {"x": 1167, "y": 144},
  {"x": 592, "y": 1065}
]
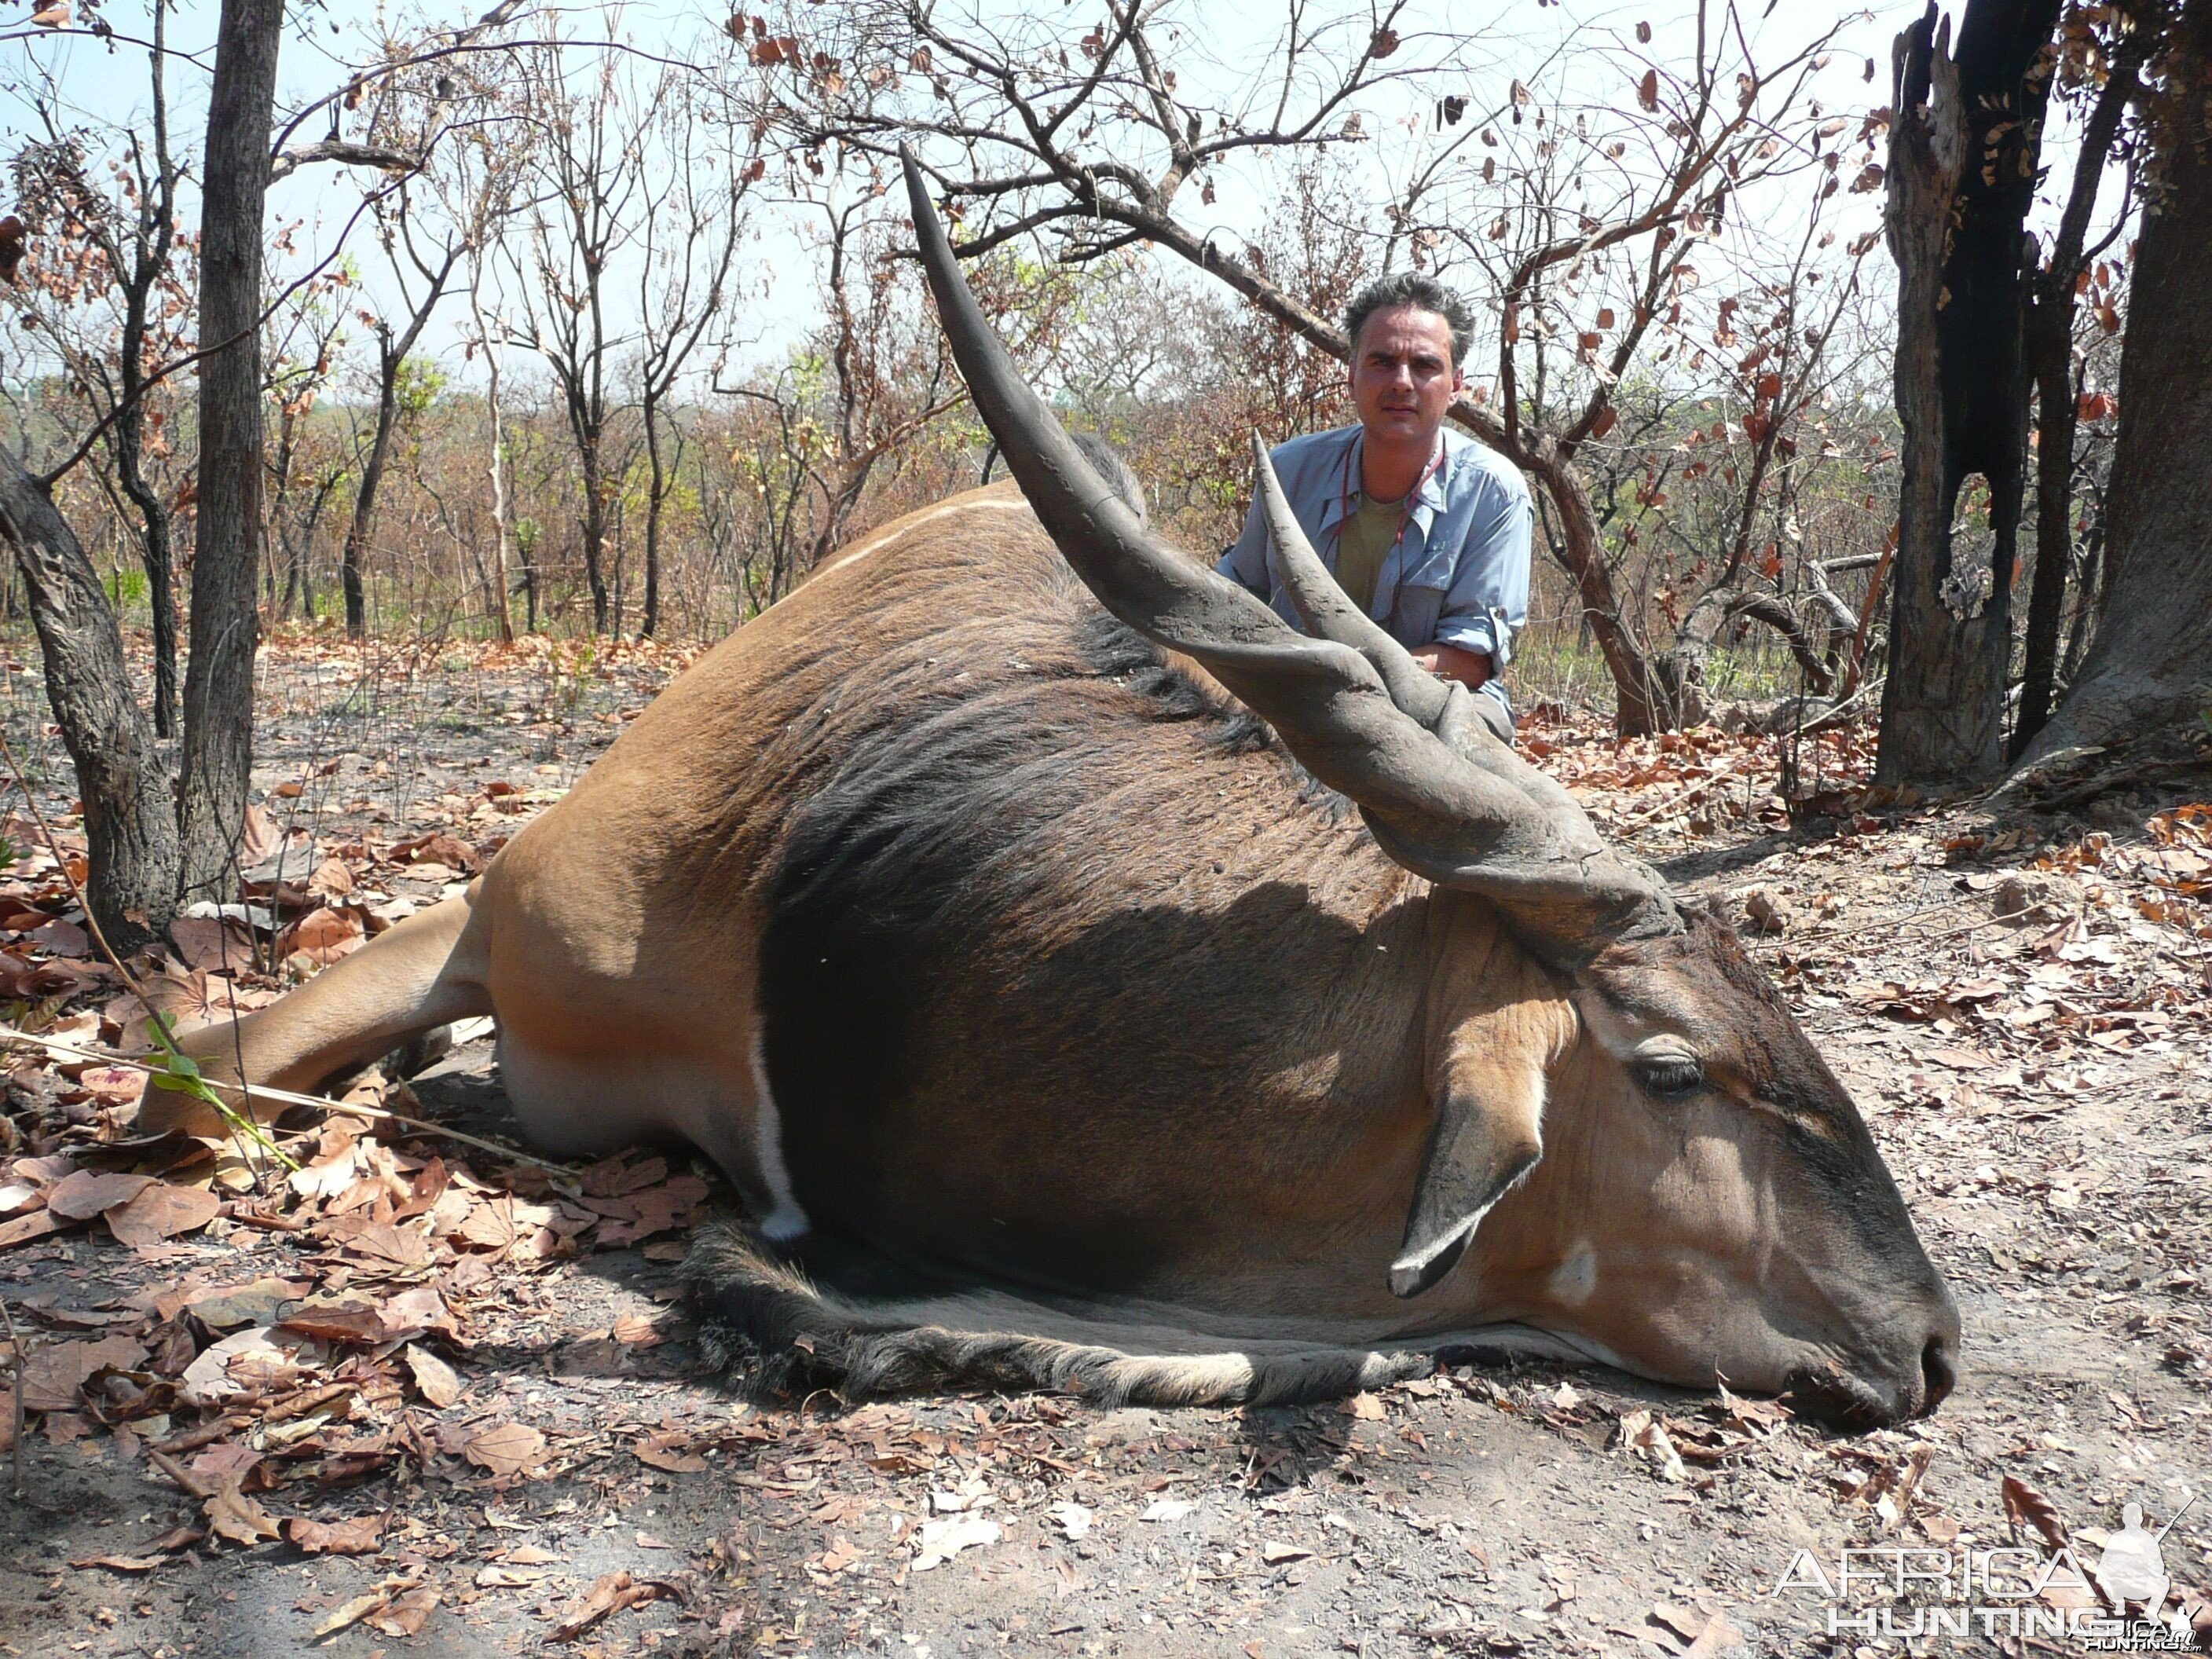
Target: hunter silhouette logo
[
  {"x": 1905, "y": 1592},
  {"x": 2133, "y": 1567}
]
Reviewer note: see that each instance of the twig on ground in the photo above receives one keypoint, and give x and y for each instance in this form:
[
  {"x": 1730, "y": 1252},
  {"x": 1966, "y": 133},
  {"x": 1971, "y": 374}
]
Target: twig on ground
[
  {"x": 15, "y": 1368},
  {"x": 179, "y": 1072},
  {"x": 1859, "y": 931},
  {"x": 359, "y": 1108}
]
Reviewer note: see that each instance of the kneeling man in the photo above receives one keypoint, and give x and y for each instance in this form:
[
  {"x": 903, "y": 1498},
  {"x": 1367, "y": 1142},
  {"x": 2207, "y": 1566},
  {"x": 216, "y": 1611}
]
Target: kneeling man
[{"x": 1426, "y": 529}]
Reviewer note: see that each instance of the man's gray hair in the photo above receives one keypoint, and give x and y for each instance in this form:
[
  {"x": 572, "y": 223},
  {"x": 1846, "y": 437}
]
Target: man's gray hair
[{"x": 1410, "y": 288}]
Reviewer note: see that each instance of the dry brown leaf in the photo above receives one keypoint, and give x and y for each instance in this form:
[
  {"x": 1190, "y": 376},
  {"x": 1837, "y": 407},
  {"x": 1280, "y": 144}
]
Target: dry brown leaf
[
  {"x": 210, "y": 1378},
  {"x": 63, "y": 938},
  {"x": 613, "y": 1592},
  {"x": 413, "y": 1311},
  {"x": 490, "y": 1226},
  {"x": 231, "y": 1514},
  {"x": 437, "y": 848},
  {"x": 53, "y": 1375},
  {"x": 25, "y": 1228},
  {"x": 435, "y": 1380},
  {"x": 333, "y": 878},
  {"x": 612, "y": 1178},
  {"x": 380, "y": 1242},
  {"x": 1686, "y": 1622},
  {"x": 662, "y": 1456},
  {"x": 361, "y": 1535},
  {"x": 323, "y": 936},
  {"x": 162, "y": 1211},
  {"x": 406, "y": 1613},
  {"x": 637, "y": 1331},
  {"x": 352, "y": 1612},
  {"x": 499, "y": 1577},
  {"x": 118, "y": 1085},
  {"x": 208, "y": 946},
  {"x": 1717, "y": 1635},
  {"x": 83, "y": 1194},
  {"x": 347, "y": 1320},
  {"x": 120, "y": 1563},
  {"x": 261, "y": 837},
  {"x": 506, "y": 1447},
  {"x": 1365, "y": 1407},
  {"x": 2022, "y": 1503}
]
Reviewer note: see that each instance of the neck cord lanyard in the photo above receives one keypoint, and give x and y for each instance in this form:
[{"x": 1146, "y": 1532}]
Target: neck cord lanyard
[{"x": 1405, "y": 510}]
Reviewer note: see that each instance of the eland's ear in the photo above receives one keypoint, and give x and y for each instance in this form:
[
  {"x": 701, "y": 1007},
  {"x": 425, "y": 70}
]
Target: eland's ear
[
  {"x": 1486, "y": 1136},
  {"x": 1493, "y": 1034}
]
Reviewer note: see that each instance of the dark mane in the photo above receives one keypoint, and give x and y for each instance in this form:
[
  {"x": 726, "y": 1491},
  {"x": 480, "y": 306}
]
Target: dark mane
[{"x": 1031, "y": 836}]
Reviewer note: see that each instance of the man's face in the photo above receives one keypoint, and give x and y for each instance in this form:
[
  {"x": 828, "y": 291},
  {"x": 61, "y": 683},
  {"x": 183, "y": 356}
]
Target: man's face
[{"x": 1403, "y": 378}]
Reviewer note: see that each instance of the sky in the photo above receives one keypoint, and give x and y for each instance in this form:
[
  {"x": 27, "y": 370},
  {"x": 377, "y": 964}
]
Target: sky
[{"x": 1544, "y": 42}]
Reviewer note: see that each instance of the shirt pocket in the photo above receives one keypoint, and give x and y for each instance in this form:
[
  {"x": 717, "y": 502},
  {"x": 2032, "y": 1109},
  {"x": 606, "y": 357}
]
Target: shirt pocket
[{"x": 1414, "y": 612}]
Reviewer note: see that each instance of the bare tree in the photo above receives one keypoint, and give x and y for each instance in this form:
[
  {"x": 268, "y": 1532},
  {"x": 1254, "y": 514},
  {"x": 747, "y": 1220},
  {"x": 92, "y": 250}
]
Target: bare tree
[
  {"x": 218, "y": 746},
  {"x": 692, "y": 220},
  {"x": 138, "y": 282},
  {"x": 590, "y": 172},
  {"x": 1090, "y": 137},
  {"x": 130, "y": 825},
  {"x": 305, "y": 333},
  {"x": 421, "y": 277},
  {"x": 147, "y": 853},
  {"x": 476, "y": 176},
  {"x": 852, "y": 404}
]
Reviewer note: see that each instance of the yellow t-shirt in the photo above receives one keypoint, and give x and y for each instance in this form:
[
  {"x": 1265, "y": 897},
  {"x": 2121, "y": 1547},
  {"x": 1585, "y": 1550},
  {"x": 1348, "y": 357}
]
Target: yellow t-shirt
[{"x": 1363, "y": 541}]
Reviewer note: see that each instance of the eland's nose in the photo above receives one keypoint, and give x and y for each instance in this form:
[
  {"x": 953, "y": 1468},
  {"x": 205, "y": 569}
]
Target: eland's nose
[
  {"x": 1939, "y": 1368},
  {"x": 1939, "y": 1354}
]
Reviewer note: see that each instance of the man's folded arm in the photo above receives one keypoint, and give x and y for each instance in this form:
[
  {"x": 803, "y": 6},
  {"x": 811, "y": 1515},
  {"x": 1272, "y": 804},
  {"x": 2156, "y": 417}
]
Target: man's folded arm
[{"x": 1487, "y": 602}]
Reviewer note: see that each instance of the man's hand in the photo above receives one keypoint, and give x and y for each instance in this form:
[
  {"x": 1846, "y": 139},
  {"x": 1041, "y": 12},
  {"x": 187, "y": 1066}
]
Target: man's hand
[{"x": 1448, "y": 662}]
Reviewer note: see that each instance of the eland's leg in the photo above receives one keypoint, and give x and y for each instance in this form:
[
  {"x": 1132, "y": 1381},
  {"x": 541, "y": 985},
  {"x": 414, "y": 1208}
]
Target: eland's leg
[{"x": 426, "y": 972}]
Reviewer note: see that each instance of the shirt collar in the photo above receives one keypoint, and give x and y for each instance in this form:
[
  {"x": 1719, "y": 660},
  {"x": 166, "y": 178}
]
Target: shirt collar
[{"x": 1345, "y": 471}]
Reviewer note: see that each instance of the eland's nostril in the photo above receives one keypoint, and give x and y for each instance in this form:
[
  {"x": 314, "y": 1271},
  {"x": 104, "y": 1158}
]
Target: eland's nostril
[{"x": 1939, "y": 1364}]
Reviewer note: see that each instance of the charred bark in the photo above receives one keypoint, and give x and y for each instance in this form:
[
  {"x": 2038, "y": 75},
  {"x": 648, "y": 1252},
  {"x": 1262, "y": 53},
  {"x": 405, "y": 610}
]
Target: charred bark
[
  {"x": 130, "y": 822},
  {"x": 1963, "y": 150},
  {"x": 2050, "y": 357},
  {"x": 655, "y": 499},
  {"x": 594, "y": 527},
  {"x": 2150, "y": 665}
]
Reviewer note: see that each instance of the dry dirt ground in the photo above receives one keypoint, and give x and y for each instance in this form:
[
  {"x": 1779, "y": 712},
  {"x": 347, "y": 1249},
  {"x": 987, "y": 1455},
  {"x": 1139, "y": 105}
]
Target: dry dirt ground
[{"x": 457, "y": 1406}]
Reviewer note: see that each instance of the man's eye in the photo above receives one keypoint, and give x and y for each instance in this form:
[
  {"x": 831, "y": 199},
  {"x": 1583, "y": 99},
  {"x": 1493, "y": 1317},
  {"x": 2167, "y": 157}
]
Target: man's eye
[{"x": 1671, "y": 1077}]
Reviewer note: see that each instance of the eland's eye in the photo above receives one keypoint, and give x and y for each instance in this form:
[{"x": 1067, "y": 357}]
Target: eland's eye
[{"x": 1671, "y": 1076}]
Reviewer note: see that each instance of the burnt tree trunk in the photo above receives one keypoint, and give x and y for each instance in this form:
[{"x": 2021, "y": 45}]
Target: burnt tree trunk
[
  {"x": 2150, "y": 665},
  {"x": 218, "y": 747},
  {"x": 655, "y": 500},
  {"x": 2051, "y": 362},
  {"x": 2050, "y": 353},
  {"x": 363, "y": 522},
  {"x": 129, "y": 823},
  {"x": 595, "y": 537},
  {"x": 1962, "y": 180}
]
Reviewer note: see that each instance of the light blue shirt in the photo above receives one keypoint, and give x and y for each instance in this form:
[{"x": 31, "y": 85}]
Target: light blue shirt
[{"x": 1460, "y": 574}]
